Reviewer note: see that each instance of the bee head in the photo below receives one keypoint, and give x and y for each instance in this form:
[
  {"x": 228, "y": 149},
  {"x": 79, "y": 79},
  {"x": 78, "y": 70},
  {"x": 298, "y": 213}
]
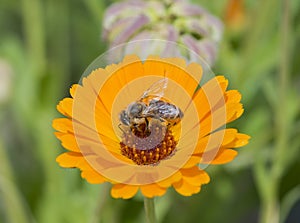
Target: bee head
[
  {"x": 135, "y": 109},
  {"x": 124, "y": 118}
]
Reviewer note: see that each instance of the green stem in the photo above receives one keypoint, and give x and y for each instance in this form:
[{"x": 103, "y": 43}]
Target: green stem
[
  {"x": 269, "y": 185},
  {"x": 96, "y": 9},
  {"x": 283, "y": 81},
  {"x": 268, "y": 191},
  {"x": 270, "y": 212},
  {"x": 10, "y": 196},
  {"x": 149, "y": 209},
  {"x": 261, "y": 25},
  {"x": 34, "y": 31},
  {"x": 102, "y": 200}
]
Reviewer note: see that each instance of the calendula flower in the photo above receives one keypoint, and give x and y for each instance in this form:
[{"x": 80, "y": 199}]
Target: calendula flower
[
  {"x": 177, "y": 21},
  {"x": 147, "y": 125}
]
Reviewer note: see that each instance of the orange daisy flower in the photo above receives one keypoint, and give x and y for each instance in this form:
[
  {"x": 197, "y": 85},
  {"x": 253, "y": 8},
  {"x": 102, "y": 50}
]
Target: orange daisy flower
[{"x": 147, "y": 125}]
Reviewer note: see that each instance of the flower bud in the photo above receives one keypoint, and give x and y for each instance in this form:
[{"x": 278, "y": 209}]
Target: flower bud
[{"x": 175, "y": 21}]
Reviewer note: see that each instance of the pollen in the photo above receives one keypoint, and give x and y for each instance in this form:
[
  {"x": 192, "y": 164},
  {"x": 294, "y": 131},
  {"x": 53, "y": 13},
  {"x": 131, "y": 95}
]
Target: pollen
[{"x": 148, "y": 149}]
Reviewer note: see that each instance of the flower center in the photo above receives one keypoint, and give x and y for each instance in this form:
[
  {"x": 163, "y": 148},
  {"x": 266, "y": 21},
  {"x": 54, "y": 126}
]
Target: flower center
[
  {"x": 147, "y": 127},
  {"x": 150, "y": 147}
]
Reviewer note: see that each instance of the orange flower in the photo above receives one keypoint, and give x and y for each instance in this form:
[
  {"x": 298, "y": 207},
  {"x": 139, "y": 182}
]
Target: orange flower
[
  {"x": 149, "y": 151},
  {"x": 235, "y": 15}
]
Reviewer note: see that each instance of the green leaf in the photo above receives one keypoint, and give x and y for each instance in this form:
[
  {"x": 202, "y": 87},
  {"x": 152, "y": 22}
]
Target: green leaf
[{"x": 288, "y": 201}]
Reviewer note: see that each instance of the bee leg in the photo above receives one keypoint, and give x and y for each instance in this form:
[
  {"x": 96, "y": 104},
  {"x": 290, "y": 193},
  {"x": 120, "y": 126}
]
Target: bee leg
[
  {"x": 147, "y": 122},
  {"x": 162, "y": 120},
  {"x": 119, "y": 126},
  {"x": 147, "y": 125},
  {"x": 156, "y": 117}
]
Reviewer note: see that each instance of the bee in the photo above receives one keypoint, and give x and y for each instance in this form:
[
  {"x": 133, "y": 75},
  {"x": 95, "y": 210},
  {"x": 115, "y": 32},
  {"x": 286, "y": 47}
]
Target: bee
[
  {"x": 149, "y": 106},
  {"x": 164, "y": 111}
]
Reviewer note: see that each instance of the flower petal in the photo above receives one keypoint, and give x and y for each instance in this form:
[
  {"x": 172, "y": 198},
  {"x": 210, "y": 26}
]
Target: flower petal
[
  {"x": 186, "y": 189},
  {"x": 127, "y": 71},
  {"x": 215, "y": 140},
  {"x": 170, "y": 180},
  {"x": 176, "y": 70},
  {"x": 63, "y": 125},
  {"x": 195, "y": 176},
  {"x": 195, "y": 70},
  {"x": 68, "y": 141},
  {"x": 239, "y": 141},
  {"x": 193, "y": 160},
  {"x": 220, "y": 117},
  {"x": 233, "y": 96},
  {"x": 151, "y": 190},
  {"x": 73, "y": 90},
  {"x": 92, "y": 176},
  {"x": 69, "y": 159},
  {"x": 209, "y": 95},
  {"x": 234, "y": 112},
  {"x": 65, "y": 107},
  {"x": 124, "y": 191},
  {"x": 222, "y": 157}
]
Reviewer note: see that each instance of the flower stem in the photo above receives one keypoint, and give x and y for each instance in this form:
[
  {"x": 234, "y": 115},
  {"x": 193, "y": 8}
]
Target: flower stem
[
  {"x": 269, "y": 175},
  {"x": 34, "y": 30},
  {"x": 270, "y": 195},
  {"x": 283, "y": 83},
  {"x": 149, "y": 210},
  {"x": 102, "y": 200}
]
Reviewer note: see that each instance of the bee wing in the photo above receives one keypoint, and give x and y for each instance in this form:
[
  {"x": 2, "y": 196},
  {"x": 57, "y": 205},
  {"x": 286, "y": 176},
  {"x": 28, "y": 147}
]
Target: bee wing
[
  {"x": 157, "y": 89},
  {"x": 166, "y": 109},
  {"x": 160, "y": 108}
]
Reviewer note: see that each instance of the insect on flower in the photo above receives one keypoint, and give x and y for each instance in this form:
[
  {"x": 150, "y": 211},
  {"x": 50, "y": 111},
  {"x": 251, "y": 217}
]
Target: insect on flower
[{"x": 150, "y": 106}]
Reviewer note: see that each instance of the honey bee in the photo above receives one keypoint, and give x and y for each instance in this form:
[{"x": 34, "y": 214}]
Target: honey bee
[
  {"x": 164, "y": 111},
  {"x": 149, "y": 106}
]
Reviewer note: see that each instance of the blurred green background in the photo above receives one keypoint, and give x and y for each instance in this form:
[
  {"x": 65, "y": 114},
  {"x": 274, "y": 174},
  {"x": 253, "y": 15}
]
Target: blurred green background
[{"x": 45, "y": 46}]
